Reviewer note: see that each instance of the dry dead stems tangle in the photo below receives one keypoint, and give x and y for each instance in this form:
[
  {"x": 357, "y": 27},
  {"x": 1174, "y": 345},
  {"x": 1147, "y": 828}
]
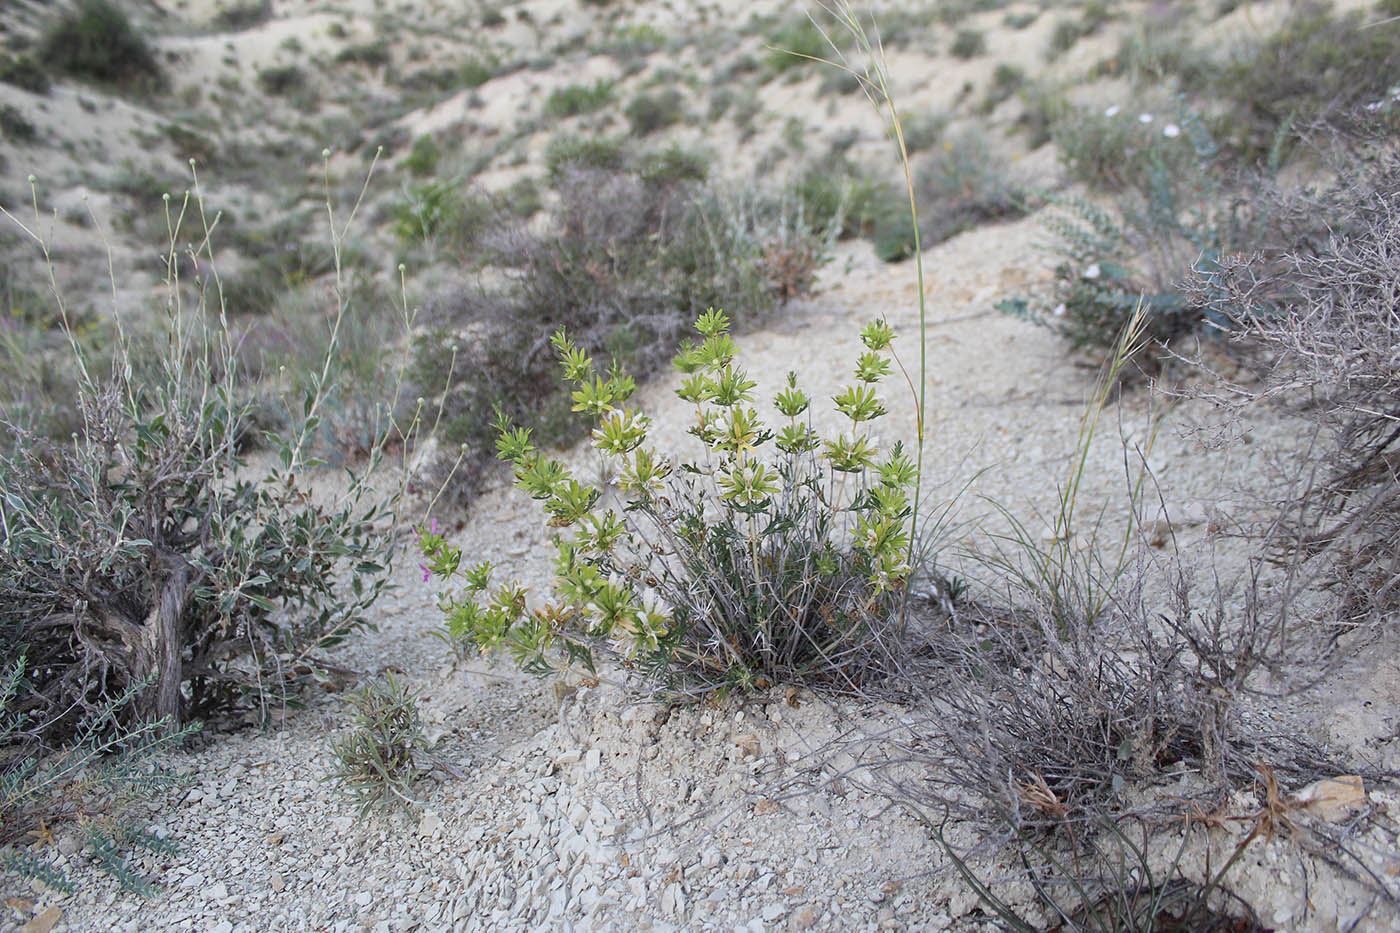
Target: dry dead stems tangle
[
  {"x": 1323, "y": 314},
  {"x": 1053, "y": 707}
]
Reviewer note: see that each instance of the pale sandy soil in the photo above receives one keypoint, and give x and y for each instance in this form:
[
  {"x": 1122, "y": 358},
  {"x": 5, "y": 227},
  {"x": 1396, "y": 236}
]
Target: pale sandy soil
[{"x": 594, "y": 810}]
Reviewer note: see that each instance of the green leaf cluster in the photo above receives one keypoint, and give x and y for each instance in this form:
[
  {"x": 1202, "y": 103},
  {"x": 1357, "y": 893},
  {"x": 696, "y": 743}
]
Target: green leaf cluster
[{"x": 773, "y": 554}]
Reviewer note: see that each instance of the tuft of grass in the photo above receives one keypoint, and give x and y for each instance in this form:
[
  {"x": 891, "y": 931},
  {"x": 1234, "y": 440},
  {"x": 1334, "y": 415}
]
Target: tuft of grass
[
  {"x": 382, "y": 753},
  {"x": 968, "y": 43},
  {"x": 649, "y": 112},
  {"x": 576, "y": 99},
  {"x": 23, "y": 72}
]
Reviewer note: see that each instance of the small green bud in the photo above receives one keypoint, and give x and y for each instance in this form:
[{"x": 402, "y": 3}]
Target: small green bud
[{"x": 325, "y": 153}]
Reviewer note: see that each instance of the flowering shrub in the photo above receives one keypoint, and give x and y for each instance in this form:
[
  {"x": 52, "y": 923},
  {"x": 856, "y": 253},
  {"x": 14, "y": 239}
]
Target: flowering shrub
[{"x": 775, "y": 555}]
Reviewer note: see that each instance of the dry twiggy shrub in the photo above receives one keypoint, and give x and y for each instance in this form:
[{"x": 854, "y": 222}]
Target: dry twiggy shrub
[{"x": 1322, "y": 316}]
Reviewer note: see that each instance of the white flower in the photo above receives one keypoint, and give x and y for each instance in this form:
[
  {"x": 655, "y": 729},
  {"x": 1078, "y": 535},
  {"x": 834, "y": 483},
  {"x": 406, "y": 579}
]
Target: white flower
[
  {"x": 1171, "y": 131},
  {"x": 1111, "y": 111},
  {"x": 1144, "y": 118},
  {"x": 1059, "y": 310},
  {"x": 1092, "y": 272}
]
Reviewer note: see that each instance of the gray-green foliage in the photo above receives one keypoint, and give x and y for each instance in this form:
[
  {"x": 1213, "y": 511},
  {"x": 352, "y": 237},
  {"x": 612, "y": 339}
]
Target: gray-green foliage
[
  {"x": 380, "y": 755},
  {"x": 143, "y": 552},
  {"x": 1177, "y": 214}
]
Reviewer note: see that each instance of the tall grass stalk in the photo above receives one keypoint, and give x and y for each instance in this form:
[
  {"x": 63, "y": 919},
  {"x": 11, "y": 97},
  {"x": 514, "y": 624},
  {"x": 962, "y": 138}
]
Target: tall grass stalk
[
  {"x": 874, "y": 78},
  {"x": 1065, "y": 576}
]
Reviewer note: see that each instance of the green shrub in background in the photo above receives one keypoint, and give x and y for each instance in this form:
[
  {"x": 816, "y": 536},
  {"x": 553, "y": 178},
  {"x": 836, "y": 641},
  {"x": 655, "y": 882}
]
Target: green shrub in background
[
  {"x": 599, "y": 152},
  {"x": 966, "y": 184},
  {"x": 440, "y": 215},
  {"x": 1316, "y": 69},
  {"x": 774, "y": 556},
  {"x": 795, "y": 44},
  {"x": 422, "y": 159},
  {"x": 370, "y": 54},
  {"x": 968, "y": 43},
  {"x": 98, "y": 43},
  {"x": 15, "y": 125},
  {"x": 282, "y": 79},
  {"x": 647, "y": 113},
  {"x": 24, "y": 72}
]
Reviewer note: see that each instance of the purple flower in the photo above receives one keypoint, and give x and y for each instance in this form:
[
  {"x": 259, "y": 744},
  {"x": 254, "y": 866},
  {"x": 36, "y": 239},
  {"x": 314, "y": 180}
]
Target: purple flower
[
  {"x": 427, "y": 574},
  {"x": 434, "y": 528}
]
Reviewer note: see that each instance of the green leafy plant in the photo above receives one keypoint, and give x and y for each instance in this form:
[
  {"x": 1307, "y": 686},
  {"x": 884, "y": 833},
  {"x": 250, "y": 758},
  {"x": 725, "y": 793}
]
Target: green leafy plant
[
  {"x": 774, "y": 555},
  {"x": 1178, "y": 214}
]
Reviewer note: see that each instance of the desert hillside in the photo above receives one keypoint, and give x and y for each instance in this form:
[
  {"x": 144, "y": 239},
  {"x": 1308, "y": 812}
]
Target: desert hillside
[{"x": 1027, "y": 560}]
